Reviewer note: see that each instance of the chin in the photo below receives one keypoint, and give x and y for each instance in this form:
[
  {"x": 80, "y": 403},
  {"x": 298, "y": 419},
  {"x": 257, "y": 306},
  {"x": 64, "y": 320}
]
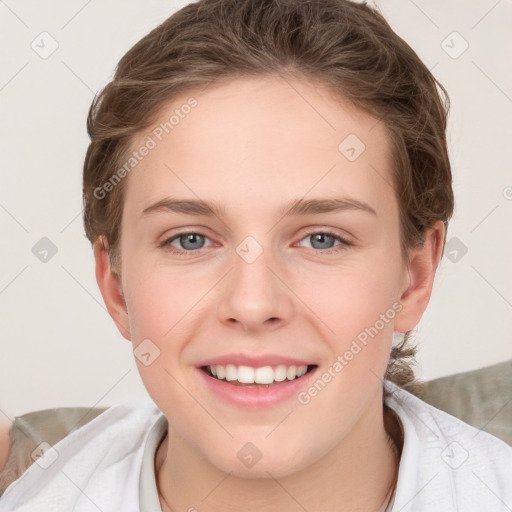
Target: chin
[{"x": 249, "y": 461}]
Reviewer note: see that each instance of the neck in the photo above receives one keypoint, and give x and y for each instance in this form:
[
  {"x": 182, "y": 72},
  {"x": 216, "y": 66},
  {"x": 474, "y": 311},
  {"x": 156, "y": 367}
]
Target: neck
[{"x": 356, "y": 475}]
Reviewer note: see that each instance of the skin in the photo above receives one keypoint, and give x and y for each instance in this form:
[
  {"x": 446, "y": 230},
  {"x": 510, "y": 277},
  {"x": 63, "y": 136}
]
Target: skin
[
  {"x": 253, "y": 145},
  {"x": 5, "y": 441}
]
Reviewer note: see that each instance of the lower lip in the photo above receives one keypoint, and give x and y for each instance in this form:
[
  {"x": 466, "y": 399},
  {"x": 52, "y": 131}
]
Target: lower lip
[{"x": 256, "y": 397}]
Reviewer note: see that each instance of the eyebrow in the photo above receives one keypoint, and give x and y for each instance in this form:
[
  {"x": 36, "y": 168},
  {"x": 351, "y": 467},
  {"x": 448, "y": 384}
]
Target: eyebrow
[{"x": 294, "y": 207}]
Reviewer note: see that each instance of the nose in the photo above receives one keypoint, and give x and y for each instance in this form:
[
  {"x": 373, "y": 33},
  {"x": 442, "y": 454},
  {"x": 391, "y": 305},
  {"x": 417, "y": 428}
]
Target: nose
[{"x": 254, "y": 296}]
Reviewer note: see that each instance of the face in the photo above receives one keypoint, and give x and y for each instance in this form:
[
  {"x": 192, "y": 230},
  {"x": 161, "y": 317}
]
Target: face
[{"x": 298, "y": 266}]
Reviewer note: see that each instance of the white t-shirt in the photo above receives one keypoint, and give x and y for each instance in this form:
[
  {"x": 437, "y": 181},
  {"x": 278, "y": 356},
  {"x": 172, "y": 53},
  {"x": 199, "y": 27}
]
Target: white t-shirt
[{"x": 107, "y": 465}]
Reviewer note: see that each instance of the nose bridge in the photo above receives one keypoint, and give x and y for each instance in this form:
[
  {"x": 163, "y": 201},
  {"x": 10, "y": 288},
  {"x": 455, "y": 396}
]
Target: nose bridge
[
  {"x": 253, "y": 280},
  {"x": 253, "y": 293}
]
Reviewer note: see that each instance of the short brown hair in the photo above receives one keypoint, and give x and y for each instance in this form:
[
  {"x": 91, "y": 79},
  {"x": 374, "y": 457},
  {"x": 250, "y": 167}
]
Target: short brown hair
[{"x": 348, "y": 47}]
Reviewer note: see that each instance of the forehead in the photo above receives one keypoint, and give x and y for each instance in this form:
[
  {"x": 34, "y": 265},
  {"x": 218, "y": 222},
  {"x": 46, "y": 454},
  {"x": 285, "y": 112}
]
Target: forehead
[{"x": 254, "y": 141}]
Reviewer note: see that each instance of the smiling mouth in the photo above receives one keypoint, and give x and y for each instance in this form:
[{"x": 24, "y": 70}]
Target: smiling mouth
[{"x": 262, "y": 377}]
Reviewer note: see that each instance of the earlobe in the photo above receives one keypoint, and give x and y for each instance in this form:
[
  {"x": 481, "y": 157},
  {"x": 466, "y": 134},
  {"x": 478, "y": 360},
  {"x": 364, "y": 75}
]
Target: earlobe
[
  {"x": 110, "y": 287},
  {"x": 419, "y": 280}
]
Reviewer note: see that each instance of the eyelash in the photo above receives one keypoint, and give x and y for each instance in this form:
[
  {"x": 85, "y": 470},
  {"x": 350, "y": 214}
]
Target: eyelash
[{"x": 166, "y": 243}]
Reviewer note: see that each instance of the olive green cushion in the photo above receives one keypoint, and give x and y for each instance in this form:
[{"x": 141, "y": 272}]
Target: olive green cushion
[{"x": 482, "y": 398}]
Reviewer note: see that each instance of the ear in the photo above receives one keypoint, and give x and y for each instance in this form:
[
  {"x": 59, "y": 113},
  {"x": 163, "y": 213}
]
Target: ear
[
  {"x": 110, "y": 287},
  {"x": 419, "y": 278}
]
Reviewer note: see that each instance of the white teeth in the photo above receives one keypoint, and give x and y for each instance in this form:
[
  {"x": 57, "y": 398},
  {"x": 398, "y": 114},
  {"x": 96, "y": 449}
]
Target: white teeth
[
  {"x": 231, "y": 372},
  {"x": 262, "y": 375},
  {"x": 291, "y": 373},
  {"x": 301, "y": 370},
  {"x": 280, "y": 373},
  {"x": 245, "y": 374},
  {"x": 221, "y": 372}
]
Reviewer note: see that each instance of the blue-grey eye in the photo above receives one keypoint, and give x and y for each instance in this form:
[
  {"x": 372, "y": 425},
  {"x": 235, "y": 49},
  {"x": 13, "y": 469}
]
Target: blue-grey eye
[
  {"x": 322, "y": 240},
  {"x": 191, "y": 241}
]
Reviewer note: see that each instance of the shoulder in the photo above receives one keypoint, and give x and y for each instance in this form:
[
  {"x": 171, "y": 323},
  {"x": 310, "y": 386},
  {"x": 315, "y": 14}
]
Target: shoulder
[
  {"x": 24, "y": 439},
  {"x": 431, "y": 421},
  {"x": 448, "y": 462},
  {"x": 96, "y": 456}
]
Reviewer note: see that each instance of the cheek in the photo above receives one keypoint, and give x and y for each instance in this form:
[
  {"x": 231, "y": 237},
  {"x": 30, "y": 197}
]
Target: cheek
[
  {"x": 355, "y": 309},
  {"x": 350, "y": 301},
  {"x": 163, "y": 310},
  {"x": 158, "y": 298}
]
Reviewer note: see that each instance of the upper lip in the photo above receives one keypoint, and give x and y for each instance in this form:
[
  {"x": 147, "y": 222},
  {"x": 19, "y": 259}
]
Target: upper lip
[{"x": 256, "y": 361}]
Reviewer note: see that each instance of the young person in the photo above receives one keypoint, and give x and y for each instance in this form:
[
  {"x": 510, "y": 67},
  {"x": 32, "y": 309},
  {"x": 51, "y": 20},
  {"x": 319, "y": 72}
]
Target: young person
[{"x": 267, "y": 190}]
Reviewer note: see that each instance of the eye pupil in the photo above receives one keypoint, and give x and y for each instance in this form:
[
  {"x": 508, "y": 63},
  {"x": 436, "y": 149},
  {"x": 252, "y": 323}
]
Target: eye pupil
[
  {"x": 322, "y": 238},
  {"x": 194, "y": 239}
]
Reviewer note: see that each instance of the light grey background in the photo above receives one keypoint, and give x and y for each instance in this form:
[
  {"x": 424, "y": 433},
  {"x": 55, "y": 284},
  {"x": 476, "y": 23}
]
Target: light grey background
[{"x": 59, "y": 346}]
